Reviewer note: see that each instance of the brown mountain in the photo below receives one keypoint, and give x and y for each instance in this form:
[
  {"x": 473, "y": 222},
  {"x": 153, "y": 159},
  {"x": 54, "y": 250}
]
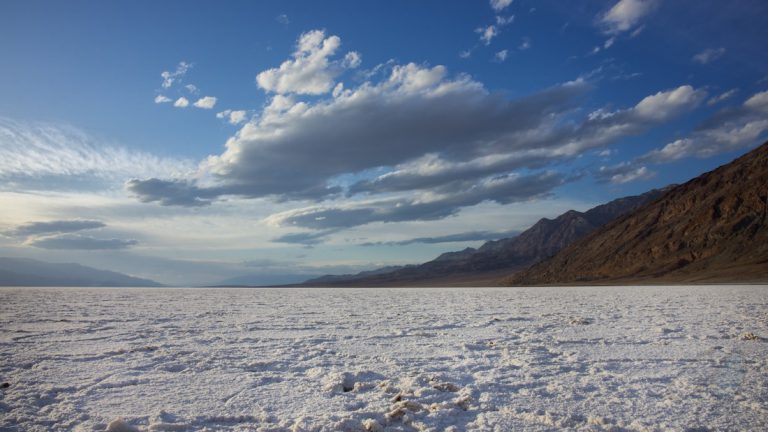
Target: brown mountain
[
  {"x": 710, "y": 229},
  {"x": 495, "y": 259}
]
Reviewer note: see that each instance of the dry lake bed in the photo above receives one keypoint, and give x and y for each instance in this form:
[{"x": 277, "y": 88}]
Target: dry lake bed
[{"x": 586, "y": 358}]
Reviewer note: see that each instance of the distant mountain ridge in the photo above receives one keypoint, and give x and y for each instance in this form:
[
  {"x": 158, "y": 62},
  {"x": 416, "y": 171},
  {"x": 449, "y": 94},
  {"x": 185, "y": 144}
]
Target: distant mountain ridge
[
  {"x": 713, "y": 228},
  {"x": 499, "y": 257},
  {"x": 29, "y": 272}
]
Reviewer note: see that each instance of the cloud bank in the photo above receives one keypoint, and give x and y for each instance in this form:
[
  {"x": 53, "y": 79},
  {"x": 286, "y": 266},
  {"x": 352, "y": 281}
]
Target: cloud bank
[
  {"x": 415, "y": 144},
  {"x": 53, "y": 227},
  {"x": 79, "y": 242}
]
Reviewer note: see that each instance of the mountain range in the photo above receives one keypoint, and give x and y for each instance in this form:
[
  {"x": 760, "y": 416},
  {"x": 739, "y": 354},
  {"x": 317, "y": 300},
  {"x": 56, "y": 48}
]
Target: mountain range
[
  {"x": 495, "y": 259},
  {"x": 29, "y": 272},
  {"x": 713, "y": 228}
]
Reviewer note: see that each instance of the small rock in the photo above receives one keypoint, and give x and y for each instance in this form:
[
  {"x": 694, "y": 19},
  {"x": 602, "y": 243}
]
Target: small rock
[
  {"x": 463, "y": 402},
  {"x": 445, "y": 387},
  {"x": 749, "y": 336},
  {"x": 5, "y": 385},
  {"x": 371, "y": 425},
  {"x": 580, "y": 321},
  {"x": 402, "y": 408},
  {"x": 120, "y": 425}
]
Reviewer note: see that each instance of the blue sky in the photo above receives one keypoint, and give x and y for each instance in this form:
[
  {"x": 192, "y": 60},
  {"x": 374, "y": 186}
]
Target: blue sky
[{"x": 328, "y": 137}]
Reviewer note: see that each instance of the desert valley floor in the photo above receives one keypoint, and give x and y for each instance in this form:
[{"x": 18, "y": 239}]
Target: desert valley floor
[{"x": 579, "y": 358}]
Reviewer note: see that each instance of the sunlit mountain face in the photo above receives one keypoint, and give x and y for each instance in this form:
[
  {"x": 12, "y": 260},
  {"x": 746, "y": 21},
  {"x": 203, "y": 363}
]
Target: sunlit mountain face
[{"x": 273, "y": 142}]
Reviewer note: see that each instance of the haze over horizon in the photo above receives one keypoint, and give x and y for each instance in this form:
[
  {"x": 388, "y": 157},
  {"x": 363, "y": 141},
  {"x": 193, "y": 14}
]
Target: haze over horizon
[{"x": 191, "y": 143}]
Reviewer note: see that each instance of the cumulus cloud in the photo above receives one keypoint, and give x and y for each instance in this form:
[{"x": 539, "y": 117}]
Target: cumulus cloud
[
  {"x": 181, "y": 102},
  {"x": 53, "y": 227},
  {"x": 501, "y": 55},
  {"x": 415, "y": 117},
  {"x": 162, "y": 99},
  {"x": 626, "y": 14},
  {"x": 729, "y": 129},
  {"x": 709, "y": 55},
  {"x": 416, "y": 144},
  {"x": 504, "y": 20},
  {"x": 546, "y": 144},
  {"x": 499, "y": 5},
  {"x": 42, "y": 156},
  {"x": 487, "y": 33},
  {"x": 415, "y": 111},
  {"x": 310, "y": 71},
  {"x": 352, "y": 60},
  {"x": 234, "y": 117},
  {"x": 80, "y": 242},
  {"x": 169, "y": 78},
  {"x": 207, "y": 102}
]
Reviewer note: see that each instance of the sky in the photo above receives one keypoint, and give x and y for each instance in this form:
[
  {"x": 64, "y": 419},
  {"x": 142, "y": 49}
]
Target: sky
[{"x": 196, "y": 142}]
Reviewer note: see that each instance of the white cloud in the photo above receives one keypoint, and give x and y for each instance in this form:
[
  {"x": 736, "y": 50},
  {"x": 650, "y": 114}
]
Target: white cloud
[
  {"x": 499, "y": 5},
  {"x": 39, "y": 156},
  {"x": 398, "y": 122},
  {"x": 502, "y": 20},
  {"x": 170, "y": 77},
  {"x": 709, "y": 55},
  {"x": 352, "y": 60},
  {"x": 416, "y": 110},
  {"x": 207, "y": 102},
  {"x": 283, "y": 19},
  {"x": 501, "y": 55},
  {"x": 714, "y": 100},
  {"x": 624, "y": 173},
  {"x": 547, "y": 144},
  {"x": 192, "y": 88},
  {"x": 729, "y": 129},
  {"x": 237, "y": 117},
  {"x": 666, "y": 104},
  {"x": 626, "y": 14},
  {"x": 309, "y": 72},
  {"x": 525, "y": 44},
  {"x": 232, "y": 116},
  {"x": 465, "y": 54},
  {"x": 181, "y": 102},
  {"x": 487, "y": 33},
  {"x": 162, "y": 99},
  {"x": 758, "y": 102}
]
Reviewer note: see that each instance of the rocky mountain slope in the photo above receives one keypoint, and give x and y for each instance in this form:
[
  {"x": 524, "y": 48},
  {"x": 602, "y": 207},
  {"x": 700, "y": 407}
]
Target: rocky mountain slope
[{"x": 710, "y": 229}]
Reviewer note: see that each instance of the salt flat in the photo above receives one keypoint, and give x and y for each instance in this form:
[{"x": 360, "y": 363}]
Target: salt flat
[{"x": 588, "y": 358}]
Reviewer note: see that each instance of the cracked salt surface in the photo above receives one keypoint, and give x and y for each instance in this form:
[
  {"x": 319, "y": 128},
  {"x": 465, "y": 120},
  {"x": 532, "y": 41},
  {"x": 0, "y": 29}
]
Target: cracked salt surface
[{"x": 584, "y": 358}]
